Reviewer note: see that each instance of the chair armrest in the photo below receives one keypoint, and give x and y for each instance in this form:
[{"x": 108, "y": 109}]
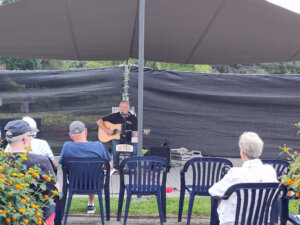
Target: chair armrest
[{"x": 219, "y": 198}]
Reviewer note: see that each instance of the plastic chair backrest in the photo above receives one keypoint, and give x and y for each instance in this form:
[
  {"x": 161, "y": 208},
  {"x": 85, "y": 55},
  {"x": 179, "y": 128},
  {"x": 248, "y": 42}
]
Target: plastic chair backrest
[
  {"x": 255, "y": 202},
  {"x": 146, "y": 174},
  {"x": 280, "y": 166},
  {"x": 206, "y": 171},
  {"x": 86, "y": 175}
]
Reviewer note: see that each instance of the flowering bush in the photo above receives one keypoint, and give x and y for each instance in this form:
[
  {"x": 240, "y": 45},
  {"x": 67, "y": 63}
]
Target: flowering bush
[
  {"x": 21, "y": 190},
  {"x": 292, "y": 178}
]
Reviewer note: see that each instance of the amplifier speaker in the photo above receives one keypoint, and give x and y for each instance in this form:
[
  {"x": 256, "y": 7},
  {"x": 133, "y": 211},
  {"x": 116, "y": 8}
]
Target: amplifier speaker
[{"x": 164, "y": 152}]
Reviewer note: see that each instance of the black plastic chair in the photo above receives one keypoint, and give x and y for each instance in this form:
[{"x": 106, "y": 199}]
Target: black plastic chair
[
  {"x": 205, "y": 172},
  {"x": 256, "y": 202},
  {"x": 146, "y": 176},
  {"x": 280, "y": 166},
  {"x": 86, "y": 176}
]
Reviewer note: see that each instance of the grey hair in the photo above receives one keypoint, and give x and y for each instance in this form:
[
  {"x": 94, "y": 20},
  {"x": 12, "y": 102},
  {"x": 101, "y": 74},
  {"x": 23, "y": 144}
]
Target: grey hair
[
  {"x": 251, "y": 144},
  {"x": 17, "y": 139},
  {"x": 125, "y": 101}
]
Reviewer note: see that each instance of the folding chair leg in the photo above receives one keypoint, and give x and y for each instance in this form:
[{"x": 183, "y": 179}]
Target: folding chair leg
[
  {"x": 107, "y": 202},
  {"x": 101, "y": 207},
  {"x": 127, "y": 208},
  {"x": 164, "y": 205},
  {"x": 159, "y": 204},
  {"x": 121, "y": 199},
  {"x": 181, "y": 202},
  {"x": 191, "y": 203},
  {"x": 214, "y": 218},
  {"x": 68, "y": 208}
]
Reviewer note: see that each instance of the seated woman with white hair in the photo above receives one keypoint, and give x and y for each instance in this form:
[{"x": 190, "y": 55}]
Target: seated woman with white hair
[
  {"x": 252, "y": 171},
  {"x": 38, "y": 146}
]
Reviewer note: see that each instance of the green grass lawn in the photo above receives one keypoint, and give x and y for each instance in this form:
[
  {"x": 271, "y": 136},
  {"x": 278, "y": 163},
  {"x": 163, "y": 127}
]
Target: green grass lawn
[{"x": 148, "y": 205}]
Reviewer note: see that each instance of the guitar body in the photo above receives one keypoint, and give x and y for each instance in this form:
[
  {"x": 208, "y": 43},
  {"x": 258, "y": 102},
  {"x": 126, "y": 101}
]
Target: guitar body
[{"x": 104, "y": 137}]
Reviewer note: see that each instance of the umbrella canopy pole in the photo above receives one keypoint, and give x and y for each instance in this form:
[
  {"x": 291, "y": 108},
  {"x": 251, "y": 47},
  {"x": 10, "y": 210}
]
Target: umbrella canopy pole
[{"x": 141, "y": 75}]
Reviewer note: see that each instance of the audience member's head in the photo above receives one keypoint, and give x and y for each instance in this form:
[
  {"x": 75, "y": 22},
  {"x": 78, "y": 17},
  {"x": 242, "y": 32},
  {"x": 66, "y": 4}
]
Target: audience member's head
[
  {"x": 18, "y": 134},
  {"x": 78, "y": 132},
  {"x": 250, "y": 145},
  {"x": 31, "y": 123}
]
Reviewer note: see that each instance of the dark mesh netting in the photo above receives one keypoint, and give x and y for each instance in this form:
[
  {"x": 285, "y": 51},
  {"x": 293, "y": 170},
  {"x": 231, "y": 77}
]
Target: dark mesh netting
[
  {"x": 56, "y": 98},
  {"x": 208, "y": 112}
]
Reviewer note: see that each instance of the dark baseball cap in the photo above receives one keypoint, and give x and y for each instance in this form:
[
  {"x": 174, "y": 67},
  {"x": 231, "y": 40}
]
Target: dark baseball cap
[
  {"x": 17, "y": 128},
  {"x": 77, "y": 127}
]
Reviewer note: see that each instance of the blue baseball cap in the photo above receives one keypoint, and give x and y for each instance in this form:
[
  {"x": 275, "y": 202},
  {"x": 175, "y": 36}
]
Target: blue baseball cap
[{"x": 17, "y": 128}]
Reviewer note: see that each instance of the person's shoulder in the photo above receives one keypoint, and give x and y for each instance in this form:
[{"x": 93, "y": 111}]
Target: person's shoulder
[
  {"x": 235, "y": 171},
  {"x": 69, "y": 143},
  {"x": 40, "y": 142},
  {"x": 96, "y": 143},
  {"x": 37, "y": 157}
]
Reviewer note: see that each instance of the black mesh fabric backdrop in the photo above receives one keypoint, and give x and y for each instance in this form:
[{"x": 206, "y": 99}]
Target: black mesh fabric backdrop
[
  {"x": 208, "y": 112},
  {"x": 56, "y": 98}
]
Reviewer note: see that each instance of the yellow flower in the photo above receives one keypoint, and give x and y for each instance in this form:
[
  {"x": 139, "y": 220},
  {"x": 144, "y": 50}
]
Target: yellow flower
[
  {"x": 55, "y": 192},
  {"x": 37, "y": 214},
  {"x": 1, "y": 168},
  {"x": 26, "y": 221},
  {"x": 36, "y": 175},
  {"x": 286, "y": 149},
  {"x": 23, "y": 201}
]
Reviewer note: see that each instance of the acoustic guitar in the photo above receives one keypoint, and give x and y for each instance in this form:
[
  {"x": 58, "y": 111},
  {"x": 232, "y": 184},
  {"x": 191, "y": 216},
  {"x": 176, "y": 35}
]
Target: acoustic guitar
[{"x": 104, "y": 137}]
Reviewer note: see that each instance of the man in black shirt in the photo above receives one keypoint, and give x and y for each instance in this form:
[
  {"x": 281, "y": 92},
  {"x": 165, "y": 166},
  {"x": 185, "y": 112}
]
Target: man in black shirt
[{"x": 129, "y": 124}]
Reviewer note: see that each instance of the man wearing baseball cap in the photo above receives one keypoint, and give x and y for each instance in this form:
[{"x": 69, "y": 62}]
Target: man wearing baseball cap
[
  {"x": 18, "y": 135},
  {"x": 38, "y": 146},
  {"x": 81, "y": 148}
]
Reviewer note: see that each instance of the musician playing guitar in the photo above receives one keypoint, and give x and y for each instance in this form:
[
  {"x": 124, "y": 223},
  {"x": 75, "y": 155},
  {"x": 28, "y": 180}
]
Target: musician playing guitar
[{"x": 129, "y": 124}]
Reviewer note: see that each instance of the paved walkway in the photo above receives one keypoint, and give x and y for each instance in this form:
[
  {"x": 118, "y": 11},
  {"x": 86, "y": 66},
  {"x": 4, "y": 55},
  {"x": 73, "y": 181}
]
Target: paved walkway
[{"x": 134, "y": 220}]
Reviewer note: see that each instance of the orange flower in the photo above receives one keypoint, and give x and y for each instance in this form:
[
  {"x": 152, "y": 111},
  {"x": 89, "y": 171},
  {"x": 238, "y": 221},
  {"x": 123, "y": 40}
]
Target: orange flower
[
  {"x": 9, "y": 182},
  {"x": 8, "y": 220},
  {"x": 286, "y": 149},
  {"x": 297, "y": 194},
  {"x": 46, "y": 196},
  {"x": 26, "y": 221},
  {"x": 13, "y": 217},
  {"x": 18, "y": 187},
  {"x": 289, "y": 181},
  {"x": 36, "y": 175},
  {"x": 34, "y": 206},
  {"x": 23, "y": 201},
  {"x": 37, "y": 214},
  {"x": 21, "y": 210},
  {"x": 1, "y": 168},
  {"x": 289, "y": 193}
]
